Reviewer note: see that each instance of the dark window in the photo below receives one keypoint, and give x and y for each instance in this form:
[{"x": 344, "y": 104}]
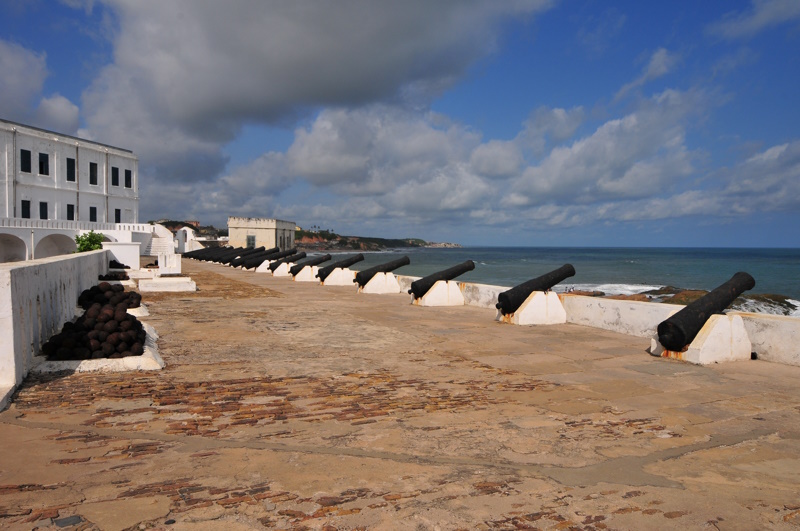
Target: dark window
[
  {"x": 117, "y": 215},
  {"x": 128, "y": 179},
  {"x": 71, "y": 170},
  {"x": 92, "y": 213},
  {"x": 26, "y": 209},
  {"x": 92, "y": 173},
  {"x": 71, "y": 212},
  {"x": 251, "y": 242},
  {"x": 24, "y": 160},
  {"x": 42, "y": 210},
  {"x": 114, "y": 176},
  {"x": 44, "y": 164}
]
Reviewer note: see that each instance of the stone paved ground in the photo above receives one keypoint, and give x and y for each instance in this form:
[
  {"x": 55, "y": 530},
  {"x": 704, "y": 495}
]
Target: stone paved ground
[{"x": 295, "y": 406}]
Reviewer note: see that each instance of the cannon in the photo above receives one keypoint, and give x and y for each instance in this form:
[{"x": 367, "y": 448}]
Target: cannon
[
  {"x": 362, "y": 277},
  {"x": 274, "y": 264},
  {"x": 420, "y": 287},
  {"x": 257, "y": 260},
  {"x": 680, "y": 329},
  {"x": 227, "y": 259},
  {"x": 236, "y": 262},
  {"x": 206, "y": 254},
  {"x": 310, "y": 262},
  {"x": 509, "y": 301},
  {"x": 324, "y": 272}
]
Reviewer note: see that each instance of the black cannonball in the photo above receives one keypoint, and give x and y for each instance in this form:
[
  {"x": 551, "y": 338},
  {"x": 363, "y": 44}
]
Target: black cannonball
[{"x": 108, "y": 349}]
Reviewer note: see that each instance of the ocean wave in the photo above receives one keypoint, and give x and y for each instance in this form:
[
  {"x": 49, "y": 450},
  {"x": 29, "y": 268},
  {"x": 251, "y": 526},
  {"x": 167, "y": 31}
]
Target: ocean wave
[{"x": 608, "y": 289}]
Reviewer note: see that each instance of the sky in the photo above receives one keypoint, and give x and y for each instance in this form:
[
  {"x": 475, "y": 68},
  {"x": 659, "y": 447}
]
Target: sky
[{"x": 515, "y": 123}]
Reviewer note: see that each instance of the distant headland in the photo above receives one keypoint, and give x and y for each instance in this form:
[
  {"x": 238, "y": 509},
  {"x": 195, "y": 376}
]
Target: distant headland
[{"x": 326, "y": 240}]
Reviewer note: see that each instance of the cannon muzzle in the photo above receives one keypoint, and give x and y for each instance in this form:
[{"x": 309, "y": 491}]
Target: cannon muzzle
[
  {"x": 295, "y": 269},
  {"x": 420, "y": 287},
  {"x": 509, "y": 301},
  {"x": 362, "y": 277},
  {"x": 680, "y": 329},
  {"x": 324, "y": 272}
]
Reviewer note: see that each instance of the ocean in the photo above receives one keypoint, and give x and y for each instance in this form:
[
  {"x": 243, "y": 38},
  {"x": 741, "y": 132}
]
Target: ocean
[{"x": 617, "y": 270}]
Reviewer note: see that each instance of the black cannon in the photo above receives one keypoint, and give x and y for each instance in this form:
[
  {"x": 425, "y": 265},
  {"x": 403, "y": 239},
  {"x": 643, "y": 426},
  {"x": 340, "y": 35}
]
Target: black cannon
[
  {"x": 236, "y": 262},
  {"x": 257, "y": 260},
  {"x": 274, "y": 264},
  {"x": 295, "y": 269},
  {"x": 211, "y": 253},
  {"x": 680, "y": 329},
  {"x": 324, "y": 272},
  {"x": 227, "y": 259},
  {"x": 509, "y": 301},
  {"x": 420, "y": 287},
  {"x": 362, "y": 277}
]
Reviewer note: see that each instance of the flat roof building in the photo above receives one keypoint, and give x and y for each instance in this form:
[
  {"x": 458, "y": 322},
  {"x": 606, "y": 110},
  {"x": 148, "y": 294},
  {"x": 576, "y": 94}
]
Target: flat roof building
[{"x": 258, "y": 232}]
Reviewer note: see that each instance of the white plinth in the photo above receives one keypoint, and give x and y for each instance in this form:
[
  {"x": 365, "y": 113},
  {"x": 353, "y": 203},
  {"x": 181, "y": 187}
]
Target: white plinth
[
  {"x": 126, "y": 253},
  {"x": 264, "y": 267},
  {"x": 341, "y": 276},
  {"x": 722, "y": 338},
  {"x": 283, "y": 270},
  {"x": 167, "y": 284},
  {"x": 307, "y": 274},
  {"x": 443, "y": 293},
  {"x": 169, "y": 264},
  {"x": 381, "y": 283},
  {"x": 539, "y": 308}
]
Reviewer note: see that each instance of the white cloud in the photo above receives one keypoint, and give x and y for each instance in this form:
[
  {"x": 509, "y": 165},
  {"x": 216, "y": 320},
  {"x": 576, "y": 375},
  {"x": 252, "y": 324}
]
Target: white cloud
[
  {"x": 496, "y": 159},
  {"x": 58, "y": 114},
  {"x": 547, "y": 127},
  {"x": 661, "y": 63},
  {"x": 764, "y": 14},
  {"x": 23, "y": 75}
]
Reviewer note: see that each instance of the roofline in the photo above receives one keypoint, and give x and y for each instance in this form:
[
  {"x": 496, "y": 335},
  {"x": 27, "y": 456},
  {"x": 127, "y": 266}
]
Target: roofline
[{"x": 66, "y": 136}]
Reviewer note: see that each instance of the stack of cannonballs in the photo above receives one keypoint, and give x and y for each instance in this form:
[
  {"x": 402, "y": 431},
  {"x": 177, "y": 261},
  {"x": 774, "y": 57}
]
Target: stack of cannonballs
[
  {"x": 114, "y": 275},
  {"x": 105, "y": 330}
]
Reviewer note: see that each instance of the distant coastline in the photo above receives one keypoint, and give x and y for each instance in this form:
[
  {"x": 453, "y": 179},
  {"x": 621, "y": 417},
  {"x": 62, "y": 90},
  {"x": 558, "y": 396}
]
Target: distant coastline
[{"x": 324, "y": 240}]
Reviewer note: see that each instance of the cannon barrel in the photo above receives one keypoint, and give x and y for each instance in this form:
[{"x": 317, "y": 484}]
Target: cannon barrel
[
  {"x": 420, "y": 287},
  {"x": 209, "y": 253},
  {"x": 247, "y": 252},
  {"x": 236, "y": 262},
  {"x": 295, "y": 269},
  {"x": 680, "y": 329},
  {"x": 509, "y": 301},
  {"x": 324, "y": 272},
  {"x": 219, "y": 256},
  {"x": 257, "y": 260},
  {"x": 273, "y": 265},
  {"x": 225, "y": 257},
  {"x": 362, "y": 277}
]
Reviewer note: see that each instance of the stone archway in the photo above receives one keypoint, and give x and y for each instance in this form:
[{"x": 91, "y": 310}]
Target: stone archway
[
  {"x": 54, "y": 245},
  {"x": 12, "y": 249}
]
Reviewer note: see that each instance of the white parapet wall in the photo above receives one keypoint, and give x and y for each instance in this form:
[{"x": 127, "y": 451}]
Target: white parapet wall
[
  {"x": 774, "y": 337},
  {"x": 126, "y": 253},
  {"x": 36, "y": 298},
  {"x": 633, "y": 318}
]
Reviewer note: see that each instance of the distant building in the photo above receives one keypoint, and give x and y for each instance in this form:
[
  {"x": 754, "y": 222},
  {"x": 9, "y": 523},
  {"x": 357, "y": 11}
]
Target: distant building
[{"x": 258, "y": 232}]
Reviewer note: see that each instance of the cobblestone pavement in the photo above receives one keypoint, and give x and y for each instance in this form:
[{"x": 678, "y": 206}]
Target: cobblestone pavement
[{"x": 293, "y": 406}]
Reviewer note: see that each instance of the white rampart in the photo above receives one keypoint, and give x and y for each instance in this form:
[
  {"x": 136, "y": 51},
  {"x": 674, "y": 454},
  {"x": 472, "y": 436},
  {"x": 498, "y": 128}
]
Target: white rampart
[
  {"x": 341, "y": 276},
  {"x": 774, "y": 337},
  {"x": 36, "y": 298},
  {"x": 633, "y": 318}
]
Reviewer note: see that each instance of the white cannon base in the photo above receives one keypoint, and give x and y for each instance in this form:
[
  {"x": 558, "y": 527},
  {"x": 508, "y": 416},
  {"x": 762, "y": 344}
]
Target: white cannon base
[
  {"x": 307, "y": 274},
  {"x": 283, "y": 270},
  {"x": 381, "y": 283},
  {"x": 264, "y": 267},
  {"x": 539, "y": 308},
  {"x": 722, "y": 338},
  {"x": 341, "y": 276},
  {"x": 442, "y": 293}
]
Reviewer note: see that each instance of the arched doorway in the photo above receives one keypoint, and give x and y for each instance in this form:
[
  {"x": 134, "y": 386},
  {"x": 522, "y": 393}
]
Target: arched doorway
[
  {"x": 54, "y": 245},
  {"x": 12, "y": 249}
]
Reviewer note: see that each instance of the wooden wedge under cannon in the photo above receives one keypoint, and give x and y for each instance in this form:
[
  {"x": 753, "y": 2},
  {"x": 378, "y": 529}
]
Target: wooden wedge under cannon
[
  {"x": 362, "y": 277},
  {"x": 422, "y": 286},
  {"x": 680, "y": 329},
  {"x": 295, "y": 269},
  {"x": 324, "y": 272},
  {"x": 509, "y": 301}
]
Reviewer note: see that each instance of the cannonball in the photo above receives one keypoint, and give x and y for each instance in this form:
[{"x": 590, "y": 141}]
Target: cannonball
[
  {"x": 127, "y": 353},
  {"x": 49, "y": 348},
  {"x": 122, "y": 346},
  {"x": 98, "y": 354},
  {"x": 89, "y": 323},
  {"x": 104, "y": 286},
  {"x": 118, "y": 288},
  {"x": 81, "y": 353},
  {"x": 102, "y": 336},
  {"x": 69, "y": 325},
  {"x": 63, "y": 353},
  {"x": 69, "y": 342},
  {"x": 108, "y": 294},
  {"x": 93, "y": 311},
  {"x": 99, "y": 325},
  {"x": 137, "y": 349},
  {"x": 115, "y": 355},
  {"x": 119, "y": 316},
  {"x": 108, "y": 349},
  {"x": 113, "y": 339},
  {"x": 99, "y": 298},
  {"x": 94, "y": 345},
  {"x": 111, "y": 326},
  {"x": 125, "y": 325}
]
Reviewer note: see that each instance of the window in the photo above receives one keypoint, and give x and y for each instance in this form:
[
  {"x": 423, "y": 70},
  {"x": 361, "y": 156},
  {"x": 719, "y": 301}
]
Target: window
[
  {"x": 114, "y": 176},
  {"x": 25, "y": 160},
  {"x": 42, "y": 210},
  {"x": 92, "y": 213},
  {"x": 26, "y": 209},
  {"x": 93, "y": 173},
  {"x": 71, "y": 170},
  {"x": 117, "y": 215},
  {"x": 71, "y": 212},
  {"x": 128, "y": 179},
  {"x": 251, "y": 242},
  {"x": 44, "y": 164}
]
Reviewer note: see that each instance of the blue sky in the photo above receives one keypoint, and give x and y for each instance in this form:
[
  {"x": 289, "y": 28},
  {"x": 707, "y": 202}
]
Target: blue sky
[{"x": 528, "y": 122}]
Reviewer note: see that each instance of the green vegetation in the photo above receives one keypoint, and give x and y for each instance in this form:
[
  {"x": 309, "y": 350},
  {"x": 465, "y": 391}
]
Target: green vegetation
[
  {"x": 330, "y": 240},
  {"x": 91, "y": 241}
]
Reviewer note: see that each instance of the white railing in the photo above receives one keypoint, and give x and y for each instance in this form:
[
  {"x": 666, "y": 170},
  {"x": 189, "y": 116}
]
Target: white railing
[{"x": 58, "y": 224}]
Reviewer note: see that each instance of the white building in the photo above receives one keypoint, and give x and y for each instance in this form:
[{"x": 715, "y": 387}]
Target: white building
[
  {"x": 54, "y": 186},
  {"x": 258, "y": 232}
]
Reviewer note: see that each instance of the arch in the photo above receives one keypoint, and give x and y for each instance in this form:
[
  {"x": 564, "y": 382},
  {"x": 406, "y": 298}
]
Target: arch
[
  {"x": 107, "y": 237},
  {"x": 54, "y": 245},
  {"x": 12, "y": 248}
]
